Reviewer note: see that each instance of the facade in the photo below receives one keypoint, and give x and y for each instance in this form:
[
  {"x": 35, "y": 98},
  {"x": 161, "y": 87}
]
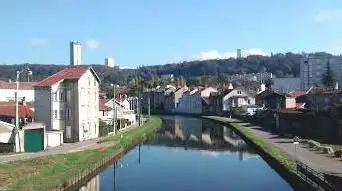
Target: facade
[
  {"x": 190, "y": 103},
  {"x": 122, "y": 112},
  {"x": 172, "y": 99},
  {"x": 322, "y": 101},
  {"x": 313, "y": 67},
  {"x": 238, "y": 53},
  {"x": 69, "y": 101},
  {"x": 8, "y": 89},
  {"x": 280, "y": 101},
  {"x": 75, "y": 53},
  {"x": 109, "y": 62},
  {"x": 236, "y": 98}
]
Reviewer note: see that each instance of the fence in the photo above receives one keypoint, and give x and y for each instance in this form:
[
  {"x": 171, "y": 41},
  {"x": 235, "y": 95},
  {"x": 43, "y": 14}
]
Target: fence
[{"x": 312, "y": 177}]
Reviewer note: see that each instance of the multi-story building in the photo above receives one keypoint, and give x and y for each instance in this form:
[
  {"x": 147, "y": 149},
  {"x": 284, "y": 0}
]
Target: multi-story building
[
  {"x": 69, "y": 101},
  {"x": 236, "y": 98},
  {"x": 75, "y": 53},
  {"x": 109, "y": 62},
  {"x": 312, "y": 68},
  {"x": 172, "y": 99}
]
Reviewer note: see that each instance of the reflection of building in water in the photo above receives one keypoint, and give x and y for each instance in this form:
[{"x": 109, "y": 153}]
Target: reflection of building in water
[
  {"x": 230, "y": 137},
  {"x": 243, "y": 156},
  {"x": 92, "y": 185},
  {"x": 188, "y": 128}
]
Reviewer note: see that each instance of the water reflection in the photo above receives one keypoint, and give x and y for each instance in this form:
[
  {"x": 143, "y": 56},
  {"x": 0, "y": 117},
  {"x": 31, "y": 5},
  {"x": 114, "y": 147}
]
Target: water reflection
[
  {"x": 190, "y": 154},
  {"x": 194, "y": 133},
  {"x": 92, "y": 185}
]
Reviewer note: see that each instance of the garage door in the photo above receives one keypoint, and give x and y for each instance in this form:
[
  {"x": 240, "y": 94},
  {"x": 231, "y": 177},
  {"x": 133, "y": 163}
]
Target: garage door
[{"x": 34, "y": 140}]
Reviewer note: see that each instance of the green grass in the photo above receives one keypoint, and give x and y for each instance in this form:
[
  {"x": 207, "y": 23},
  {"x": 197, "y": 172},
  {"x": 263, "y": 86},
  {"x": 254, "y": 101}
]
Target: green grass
[
  {"x": 44, "y": 173},
  {"x": 262, "y": 143}
]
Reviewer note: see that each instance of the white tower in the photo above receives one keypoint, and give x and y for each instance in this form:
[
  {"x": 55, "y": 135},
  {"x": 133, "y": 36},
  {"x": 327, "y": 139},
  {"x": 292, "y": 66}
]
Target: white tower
[
  {"x": 75, "y": 53},
  {"x": 109, "y": 62}
]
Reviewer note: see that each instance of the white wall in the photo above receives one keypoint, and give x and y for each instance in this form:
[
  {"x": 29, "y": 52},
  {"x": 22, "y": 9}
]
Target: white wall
[
  {"x": 59, "y": 123},
  {"x": 9, "y": 94},
  {"x": 206, "y": 92},
  {"x": 5, "y": 137},
  {"x": 227, "y": 101},
  {"x": 88, "y": 97},
  {"x": 54, "y": 138}
]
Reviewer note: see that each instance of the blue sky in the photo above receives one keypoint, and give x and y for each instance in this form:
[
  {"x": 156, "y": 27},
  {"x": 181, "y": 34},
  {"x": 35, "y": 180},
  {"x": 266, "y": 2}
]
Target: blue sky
[{"x": 151, "y": 32}]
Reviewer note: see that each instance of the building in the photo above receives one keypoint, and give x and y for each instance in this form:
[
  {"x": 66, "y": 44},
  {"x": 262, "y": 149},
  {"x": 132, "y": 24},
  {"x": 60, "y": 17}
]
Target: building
[
  {"x": 8, "y": 89},
  {"x": 285, "y": 85},
  {"x": 7, "y": 113},
  {"x": 238, "y": 53},
  {"x": 167, "y": 77},
  {"x": 121, "y": 108},
  {"x": 280, "y": 101},
  {"x": 109, "y": 62},
  {"x": 312, "y": 68},
  {"x": 172, "y": 99},
  {"x": 69, "y": 101},
  {"x": 236, "y": 98},
  {"x": 75, "y": 53}
]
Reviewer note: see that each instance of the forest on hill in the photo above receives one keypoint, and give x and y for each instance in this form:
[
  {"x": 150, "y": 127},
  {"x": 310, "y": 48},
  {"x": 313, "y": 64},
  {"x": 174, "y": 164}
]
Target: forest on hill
[{"x": 194, "y": 72}]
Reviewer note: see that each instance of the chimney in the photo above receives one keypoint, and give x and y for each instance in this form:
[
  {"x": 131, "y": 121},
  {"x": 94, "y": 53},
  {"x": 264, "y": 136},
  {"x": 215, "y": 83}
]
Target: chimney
[
  {"x": 230, "y": 86},
  {"x": 262, "y": 87},
  {"x": 336, "y": 86}
]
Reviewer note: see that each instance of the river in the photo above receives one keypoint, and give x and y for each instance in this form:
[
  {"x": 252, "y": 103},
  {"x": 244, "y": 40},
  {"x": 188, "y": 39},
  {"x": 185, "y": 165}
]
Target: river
[{"x": 190, "y": 154}]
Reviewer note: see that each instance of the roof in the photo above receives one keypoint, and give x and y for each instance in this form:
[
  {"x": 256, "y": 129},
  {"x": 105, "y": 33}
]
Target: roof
[
  {"x": 9, "y": 110},
  {"x": 102, "y": 106},
  {"x": 72, "y": 73},
  {"x": 297, "y": 93},
  {"x": 6, "y": 127},
  {"x": 206, "y": 100},
  {"x": 13, "y": 85}
]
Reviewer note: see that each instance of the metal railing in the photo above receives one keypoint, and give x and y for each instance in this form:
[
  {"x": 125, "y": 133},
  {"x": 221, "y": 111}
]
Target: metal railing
[{"x": 313, "y": 177}]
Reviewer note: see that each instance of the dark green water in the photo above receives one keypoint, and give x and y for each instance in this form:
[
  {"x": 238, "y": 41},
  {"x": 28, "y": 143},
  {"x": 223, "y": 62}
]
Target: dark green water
[{"x": 190, "y": 154}]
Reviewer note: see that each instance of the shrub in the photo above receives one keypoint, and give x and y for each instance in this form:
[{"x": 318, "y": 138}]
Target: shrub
[
  {"x": 328, "y": 150},
  {"x": 103, "y": 128},
  {"x": 338, "y": 153}
]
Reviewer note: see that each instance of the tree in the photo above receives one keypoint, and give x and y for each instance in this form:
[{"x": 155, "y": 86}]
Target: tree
[{"x": 328, "y": 78}]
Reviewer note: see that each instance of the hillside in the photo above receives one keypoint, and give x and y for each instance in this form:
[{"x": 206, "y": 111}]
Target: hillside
[{"x": 194, "y": 72}]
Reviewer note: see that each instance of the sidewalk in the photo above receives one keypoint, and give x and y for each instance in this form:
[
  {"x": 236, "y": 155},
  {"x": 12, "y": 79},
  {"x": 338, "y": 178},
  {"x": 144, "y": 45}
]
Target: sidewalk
[
  {"x": 317, "y": 161},
  {"x": 63, "y": 149}
]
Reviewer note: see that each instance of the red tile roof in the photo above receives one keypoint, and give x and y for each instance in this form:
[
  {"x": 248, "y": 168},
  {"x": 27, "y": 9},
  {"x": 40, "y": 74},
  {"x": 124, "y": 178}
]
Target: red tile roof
[
  {"x": 73, "y": 73},
  {"x": 297, "y": 93},
  {"x": 102, "y": 106},
  {"x": 13, "y": 85},
  {"x": 8, "y": 110}
]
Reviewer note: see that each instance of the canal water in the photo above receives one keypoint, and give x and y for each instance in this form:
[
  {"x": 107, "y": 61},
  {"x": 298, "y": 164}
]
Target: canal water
[{"x": 190, "y": 154}]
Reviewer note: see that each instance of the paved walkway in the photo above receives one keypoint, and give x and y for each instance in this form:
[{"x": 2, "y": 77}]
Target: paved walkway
[{"x": 318, "y": 161}]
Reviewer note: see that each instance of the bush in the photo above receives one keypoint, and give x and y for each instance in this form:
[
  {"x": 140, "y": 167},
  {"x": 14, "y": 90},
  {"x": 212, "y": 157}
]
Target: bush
[
  {"x": 314, "y": 144},
  {"x": 328, "y": 150},
  {"x": 103, "y": 128},
  {"x": 338, "y": 153}
]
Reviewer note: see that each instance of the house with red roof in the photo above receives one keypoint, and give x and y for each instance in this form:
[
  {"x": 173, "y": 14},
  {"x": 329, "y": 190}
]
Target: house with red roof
[
  {"x": 7, "y": 113},
  {"x": 68, "y": 101}
]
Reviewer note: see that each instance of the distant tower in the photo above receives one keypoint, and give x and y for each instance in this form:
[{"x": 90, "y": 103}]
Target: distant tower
[
  {"x": 75, "y": 53},
  {"x": 109, "y": 62},
  {"x": 238, "y": 53}
]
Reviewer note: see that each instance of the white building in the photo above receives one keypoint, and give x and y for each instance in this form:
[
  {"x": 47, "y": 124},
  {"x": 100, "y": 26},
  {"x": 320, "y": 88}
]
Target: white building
[
  {"x": 313, "y": 67},
  {"x": 75, "y": 53},
  {"x": 191, "y": 101},
  {"x": 109, "y": 62},
  {"x": 236, "y": 98},
  {"x": 8, "y": 89},
  {"x": 125, "y": 113},
  {"x": 69, "y": 101}
]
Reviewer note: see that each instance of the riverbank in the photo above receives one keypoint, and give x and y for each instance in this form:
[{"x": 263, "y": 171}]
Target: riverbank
[
  {"x": 277, "y": 159},
  {"x": 45, "y": 173}
]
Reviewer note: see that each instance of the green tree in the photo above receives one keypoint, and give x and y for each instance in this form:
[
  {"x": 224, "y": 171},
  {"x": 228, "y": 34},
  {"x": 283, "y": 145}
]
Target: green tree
[{"x": 328, "y": 77}]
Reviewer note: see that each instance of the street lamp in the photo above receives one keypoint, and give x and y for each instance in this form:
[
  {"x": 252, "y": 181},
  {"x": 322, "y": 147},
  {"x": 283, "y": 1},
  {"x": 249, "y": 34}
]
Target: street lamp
[
  {"x": 29, "y": 72},
  {"x": 114, "y": 108}
]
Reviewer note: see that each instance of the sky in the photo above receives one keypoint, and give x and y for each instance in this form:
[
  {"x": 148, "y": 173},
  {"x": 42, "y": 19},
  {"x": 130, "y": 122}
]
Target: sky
[{"x": 152, "y": 32}]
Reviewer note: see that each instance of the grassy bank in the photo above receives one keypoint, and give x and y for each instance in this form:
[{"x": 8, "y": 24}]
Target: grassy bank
[
  {"x": 45, "y": 173},
  {"x": 263, "y": 144}
]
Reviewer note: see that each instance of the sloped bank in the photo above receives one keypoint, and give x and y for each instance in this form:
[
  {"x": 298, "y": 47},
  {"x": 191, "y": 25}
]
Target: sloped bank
[
  {"x": 278, "y": 160},
  {"x": 46, "y": 173}
]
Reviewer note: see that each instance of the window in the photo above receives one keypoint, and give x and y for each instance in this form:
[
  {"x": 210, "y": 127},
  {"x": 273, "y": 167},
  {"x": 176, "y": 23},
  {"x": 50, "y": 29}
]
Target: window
[
  {"x": 54, "y": 114},
  {"x": 249, "y": 101},
  {"x": 61, "y": 114},
  {"x": 69, "y": 114},
  {"x": 61, "y": 96},
  {"x": 55, "y": 96},
  {"x": 239, "y": 92},
  {"x": 88, "y": 81},
  {"x": 68, "y": 95}
]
